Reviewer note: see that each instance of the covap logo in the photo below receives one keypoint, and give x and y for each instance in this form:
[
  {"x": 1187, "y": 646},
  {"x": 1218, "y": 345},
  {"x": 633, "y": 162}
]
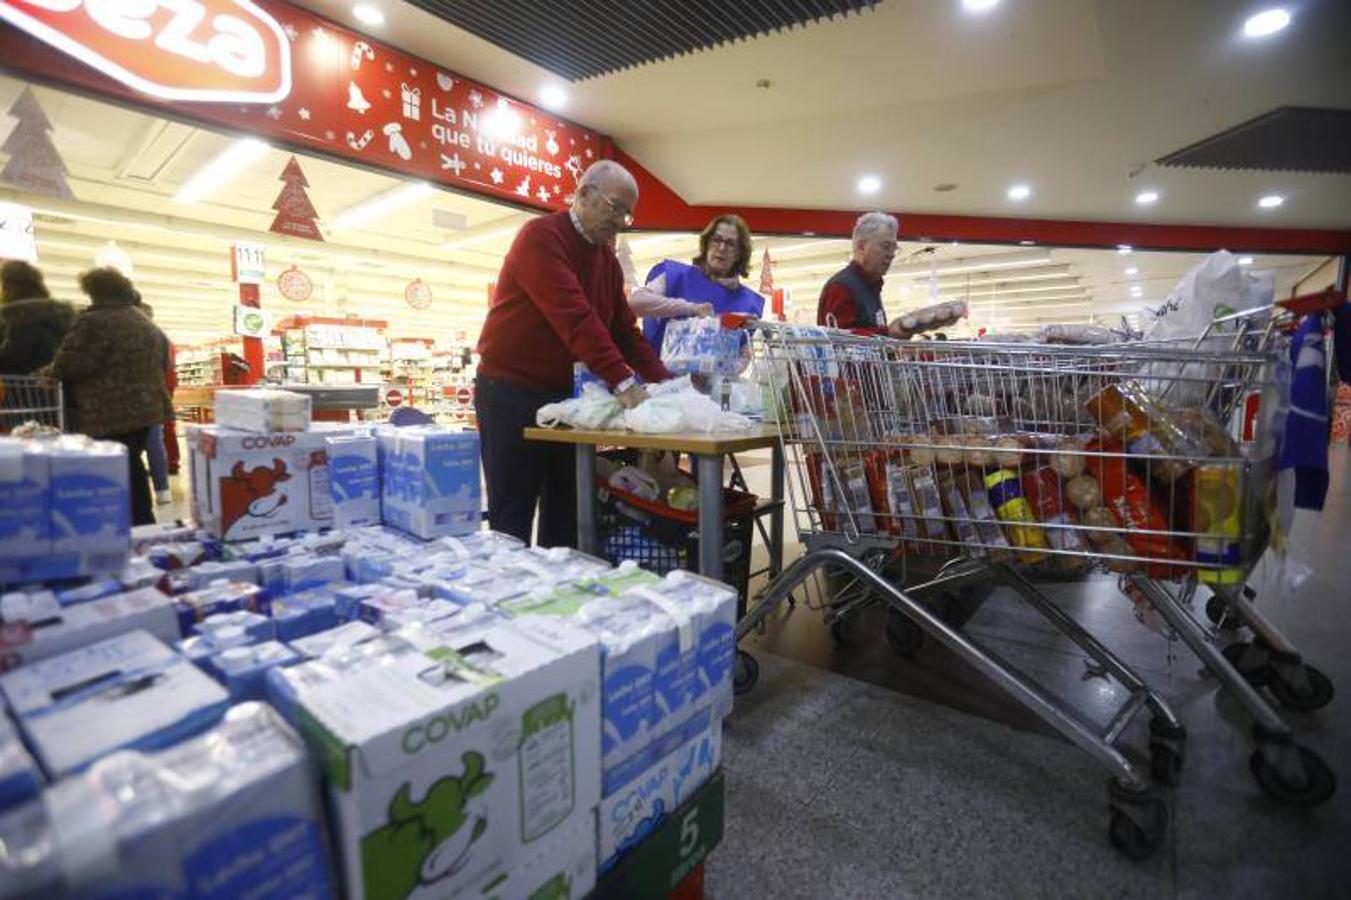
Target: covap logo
[{"x": 222, "y": 51}]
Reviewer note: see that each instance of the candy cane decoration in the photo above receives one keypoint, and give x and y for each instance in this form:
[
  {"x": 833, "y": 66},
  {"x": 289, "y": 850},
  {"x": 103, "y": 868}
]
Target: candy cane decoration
[
  {"x": 360, "y": 49},
  {"x": 359, "y": 143}
]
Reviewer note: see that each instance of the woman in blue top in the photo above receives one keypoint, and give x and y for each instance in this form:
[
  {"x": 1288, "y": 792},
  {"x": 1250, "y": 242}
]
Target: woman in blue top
[{"x": 711, "y": 286}]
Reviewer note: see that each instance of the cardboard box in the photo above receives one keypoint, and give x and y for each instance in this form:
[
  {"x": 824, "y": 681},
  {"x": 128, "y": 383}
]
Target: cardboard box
[
  {"x": 354, "y": 477},
  {"x": 430, "y": 483},
  {"x": 20, "y": 780},
  {"x": 562, "y": 867},
  {"x": 247, "y": 485},
  {"x": 233, "y": 813},
  {"x": 130, "y": 691},
  {"x": 25, "y": 507},
  {"x": 262, "y": 410},
  {"x": 447, "y": 767},
  {"x": 68, "y": 628},
  {"x": 91, "y": 504}
]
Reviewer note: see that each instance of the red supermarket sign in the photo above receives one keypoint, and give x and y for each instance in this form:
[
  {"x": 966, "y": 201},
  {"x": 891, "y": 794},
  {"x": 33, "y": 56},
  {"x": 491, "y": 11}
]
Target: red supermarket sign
[
  {"x": 210, "y": 51},
  {"x": 282, "y": 73}
]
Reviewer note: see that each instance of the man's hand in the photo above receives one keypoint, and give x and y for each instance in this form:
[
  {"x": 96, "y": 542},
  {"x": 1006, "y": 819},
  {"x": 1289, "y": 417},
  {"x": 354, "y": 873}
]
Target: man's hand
[
  {"x": 632, "y": 397},
  {"x": 703, "y": 309},
  {"x": 897, "y": 330}
]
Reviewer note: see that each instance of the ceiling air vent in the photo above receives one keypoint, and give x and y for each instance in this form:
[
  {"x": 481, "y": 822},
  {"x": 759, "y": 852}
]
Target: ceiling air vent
[
  {"x": 580, "y": 39},
  {"x": 1287, "y": 139}
]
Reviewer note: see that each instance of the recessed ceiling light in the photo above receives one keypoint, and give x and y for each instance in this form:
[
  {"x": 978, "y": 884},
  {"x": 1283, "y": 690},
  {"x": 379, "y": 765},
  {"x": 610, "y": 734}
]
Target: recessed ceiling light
[
  {"x": 979, "y": 6},
  {"x": 869, "y": 184},
  {"x": 1019, "y": 192},
  {"x": 1124, "y": 249},
  {"x": 1245, "y": 260},
  {"x": 1132, "y": 271},
  {"x": 1271, "y": 201},
  {"x": 368, "y": 15},
  {"x": 1267, "y": 22},
  {"x": 553, "y": 97},
  {"x": 1145, "y": 198}
]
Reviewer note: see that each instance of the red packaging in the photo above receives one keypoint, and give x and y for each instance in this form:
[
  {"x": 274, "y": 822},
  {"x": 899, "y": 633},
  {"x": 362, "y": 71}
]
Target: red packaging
[
  {"x": 1043, "y": 491},
  {"x": 1129, "y": 499},
  {"x": 890, "y": 493},
  {"x": 823, "y": 492}
]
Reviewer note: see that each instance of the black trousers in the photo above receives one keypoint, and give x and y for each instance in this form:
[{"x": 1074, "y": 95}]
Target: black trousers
[
  {"x": 521, "y": 473},
  {"x": 142, "y": 508}
]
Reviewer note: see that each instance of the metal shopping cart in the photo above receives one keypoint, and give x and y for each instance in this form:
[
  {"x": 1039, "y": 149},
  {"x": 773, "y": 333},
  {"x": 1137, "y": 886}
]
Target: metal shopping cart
[
  {"x": 26, "y": 399},
  {"x": 1005, "y": 462}
]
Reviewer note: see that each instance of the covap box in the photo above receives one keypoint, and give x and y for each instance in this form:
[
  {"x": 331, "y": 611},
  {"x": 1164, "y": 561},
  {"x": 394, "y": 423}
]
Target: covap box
[
  {"x": 354, "y": 476},
  {"x": 430, "y": 480},
  {"x": 246, "y": 485},
  {"x": 127, "y": 692},
  {"x": 451, "y": 765}
]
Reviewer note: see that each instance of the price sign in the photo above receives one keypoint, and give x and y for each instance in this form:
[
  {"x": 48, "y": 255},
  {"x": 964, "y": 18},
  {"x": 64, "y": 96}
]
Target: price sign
[
  {"x": 246, "y": 263},
  {"x": 222, "y": 51},
  {"x": 16, "y": 233}
]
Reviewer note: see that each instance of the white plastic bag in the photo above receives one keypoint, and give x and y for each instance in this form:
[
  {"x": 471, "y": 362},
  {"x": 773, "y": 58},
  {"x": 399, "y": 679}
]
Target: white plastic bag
[{"x": 595, "y": 409}]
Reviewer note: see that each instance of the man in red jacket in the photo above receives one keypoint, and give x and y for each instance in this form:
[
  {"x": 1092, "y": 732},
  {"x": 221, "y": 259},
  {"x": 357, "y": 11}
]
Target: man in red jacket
[
  {"x": 852, "y": 298},
  {"x": 559, "y": 300}
]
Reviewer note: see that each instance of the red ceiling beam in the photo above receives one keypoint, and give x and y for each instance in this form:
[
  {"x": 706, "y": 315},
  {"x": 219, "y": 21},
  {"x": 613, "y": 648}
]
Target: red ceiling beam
[{"x": 662, "y": 209}]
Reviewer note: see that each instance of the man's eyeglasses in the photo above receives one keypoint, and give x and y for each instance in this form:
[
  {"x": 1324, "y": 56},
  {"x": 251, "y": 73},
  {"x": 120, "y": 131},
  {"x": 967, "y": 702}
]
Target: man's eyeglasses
[{"x": 620, "y": 212}]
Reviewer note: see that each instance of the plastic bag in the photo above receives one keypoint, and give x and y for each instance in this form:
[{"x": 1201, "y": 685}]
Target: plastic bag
[
  {"x": 1076, "y": 334},
  {"x": 682, "y": 411},
  {"x": 595, "y": 409},
  {"x": 701, "y": 346}
]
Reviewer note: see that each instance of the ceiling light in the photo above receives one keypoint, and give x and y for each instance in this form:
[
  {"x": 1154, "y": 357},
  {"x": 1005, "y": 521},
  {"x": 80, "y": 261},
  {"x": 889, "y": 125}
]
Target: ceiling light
[
  {"x": 1267, "y": 22},
  {"x": 368, "y": 15},
  {"x": 1136, "y": 290},
  {"x": 979, "y": 6},
  {"x": 1245, "y": 260},
  {"x": 1271, "y": 201},
  {"x": 869, "y": 184},
  {"x": 1124, "y": 249},
  {"x": 1145, "y": 198},
  {"x": 1028, "y": 243},
  {"x": 553, "y": 97},
  {"x": 502, "y": 122},
  {"x": 1132, "y": 271},
  {"x": 356, "y": 216},
  {"x": 1019, "y": 192},
  {"x": 229, "y": 163}
]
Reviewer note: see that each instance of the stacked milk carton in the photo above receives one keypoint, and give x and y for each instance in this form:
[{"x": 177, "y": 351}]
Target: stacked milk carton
[
  {"x": 430, "y": 480},
  {"x": 64, "y": 508}
]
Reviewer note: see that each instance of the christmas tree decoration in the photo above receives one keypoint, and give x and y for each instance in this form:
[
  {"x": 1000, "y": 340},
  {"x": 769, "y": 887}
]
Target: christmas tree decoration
[
  {"x": 766, "y": 275},
  {"x": 34, "y": 163},
  {"x": 418, "y": 294},
  {"x": 295, "y": 213}
]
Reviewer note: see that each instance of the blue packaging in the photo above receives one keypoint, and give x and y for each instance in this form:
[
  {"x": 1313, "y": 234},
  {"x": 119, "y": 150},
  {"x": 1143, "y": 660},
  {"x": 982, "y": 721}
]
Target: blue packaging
[
  {"x": 94, "y": 590},
  {"x": 130, "y": 691},
  {"x": 195, "y": 606},
  {"x": 257, "y": 626},
  {"x": 25, "y": 507},
  {"x": 243, "y": 670},
  {"x": 299, "y": 615},
  {"x": 210, "y": 572},
  {"x": 354, "y": 479},
  {"x": 430, "y": 483},
  {"x": 91, "y": 504},
  {"x": 345, "y": 635},
  {"x": 20, "y": 779}
]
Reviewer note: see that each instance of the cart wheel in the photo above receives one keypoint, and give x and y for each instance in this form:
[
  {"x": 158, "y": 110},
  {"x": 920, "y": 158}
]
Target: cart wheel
[
  {"x": 1220, "y": 615},
  {"x": 745, "y": 673},
  {"x": 1257, "y": 672},
  {"x": 1139, "y": 833},
  {"x": 1316, "y": 693},
  {"x": 1319, "y": 782},
  {"x": 842, "y": 631},
  {"x": 1165, "y": 763},
  {"x": 905, "y": 637}
]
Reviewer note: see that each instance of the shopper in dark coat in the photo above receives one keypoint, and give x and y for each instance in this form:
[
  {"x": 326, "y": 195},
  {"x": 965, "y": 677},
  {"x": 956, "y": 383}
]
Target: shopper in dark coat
[
  {"x": 34, "y": 323},
  {"x": 112, "y": 364}
]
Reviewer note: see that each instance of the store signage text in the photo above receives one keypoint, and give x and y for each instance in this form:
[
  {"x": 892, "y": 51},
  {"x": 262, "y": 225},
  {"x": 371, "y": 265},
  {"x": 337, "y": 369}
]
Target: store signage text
[{"x": 213, "y": 51}]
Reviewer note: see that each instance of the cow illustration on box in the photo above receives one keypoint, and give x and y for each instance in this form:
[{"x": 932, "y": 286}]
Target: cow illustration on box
[{"x": 251, "y": 493}]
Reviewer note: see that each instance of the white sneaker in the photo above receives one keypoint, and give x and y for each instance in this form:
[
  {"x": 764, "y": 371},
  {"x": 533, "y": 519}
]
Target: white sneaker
[{"x": 163, "y": 497}]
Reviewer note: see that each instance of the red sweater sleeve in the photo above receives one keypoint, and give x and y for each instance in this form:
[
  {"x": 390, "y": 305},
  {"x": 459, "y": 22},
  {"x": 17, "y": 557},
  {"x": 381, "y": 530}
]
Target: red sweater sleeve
[
  {"x": 838, "y": 302},
  {"x": 543, "y": 272}
]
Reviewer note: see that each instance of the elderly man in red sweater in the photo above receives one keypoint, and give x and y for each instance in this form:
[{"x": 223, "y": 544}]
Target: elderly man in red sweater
[{"x": 559, "y": 300}]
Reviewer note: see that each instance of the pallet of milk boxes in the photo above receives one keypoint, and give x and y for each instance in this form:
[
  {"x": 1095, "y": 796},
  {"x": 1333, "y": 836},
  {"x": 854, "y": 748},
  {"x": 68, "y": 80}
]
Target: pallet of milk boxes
[{"x": 335, "y": 683}]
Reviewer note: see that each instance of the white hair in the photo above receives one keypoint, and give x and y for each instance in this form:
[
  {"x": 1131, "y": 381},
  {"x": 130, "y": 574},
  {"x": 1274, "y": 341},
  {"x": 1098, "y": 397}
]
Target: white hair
[
  {"x": 607, "y": 170},
  {"x": 871, "y": 223}
]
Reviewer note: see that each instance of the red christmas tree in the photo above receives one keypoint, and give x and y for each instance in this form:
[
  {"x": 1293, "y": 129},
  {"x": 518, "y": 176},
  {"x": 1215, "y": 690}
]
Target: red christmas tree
[
  {"x": 295, "y": 213},
  {"x": 766, "y": 275},
  {"x": 34, "y": 164}
]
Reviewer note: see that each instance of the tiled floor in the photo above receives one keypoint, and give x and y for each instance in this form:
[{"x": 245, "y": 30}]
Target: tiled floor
[{"x": 854, "y": 773}]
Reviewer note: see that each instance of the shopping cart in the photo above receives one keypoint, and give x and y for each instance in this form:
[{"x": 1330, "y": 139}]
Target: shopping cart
[
  {"x": 1005, "y": 462},
  {"x": 28, "y": 400}
]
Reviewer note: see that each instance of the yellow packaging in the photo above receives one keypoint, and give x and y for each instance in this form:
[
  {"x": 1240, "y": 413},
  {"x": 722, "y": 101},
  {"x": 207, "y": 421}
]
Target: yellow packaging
[
  {"x": 1006, "y": 496},
  {"x": 1218, "y": 513}
]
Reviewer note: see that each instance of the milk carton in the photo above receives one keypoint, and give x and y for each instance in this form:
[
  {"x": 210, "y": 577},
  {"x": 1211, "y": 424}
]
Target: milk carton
[
  {"x": 348, "y": 634},
  {"x": 193, "y": 607},
  {"x": 20, "y": 779},
  {"x": 91, "y": 504},
  {"x": 354, "y": 480},
  {"x": 233, "y": 813},
  {"x": 246, "y": 485},
  {"x": 25, "y": 507},
  {"x": 430, "y": 480},
  {"x": 243, "y": 669},
  {"x": 449, "y": 766},
  {"x": 262, "y": 410},
  {"x": 305, "y": 613},
  {"x": 636, "y": 807},
  {"x": 130, "y": 691},
  {"x": 54, "y": 631}
]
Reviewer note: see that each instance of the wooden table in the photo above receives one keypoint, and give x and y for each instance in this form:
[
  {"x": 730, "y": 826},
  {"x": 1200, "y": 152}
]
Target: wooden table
[{"x": 708, "y": 451}]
